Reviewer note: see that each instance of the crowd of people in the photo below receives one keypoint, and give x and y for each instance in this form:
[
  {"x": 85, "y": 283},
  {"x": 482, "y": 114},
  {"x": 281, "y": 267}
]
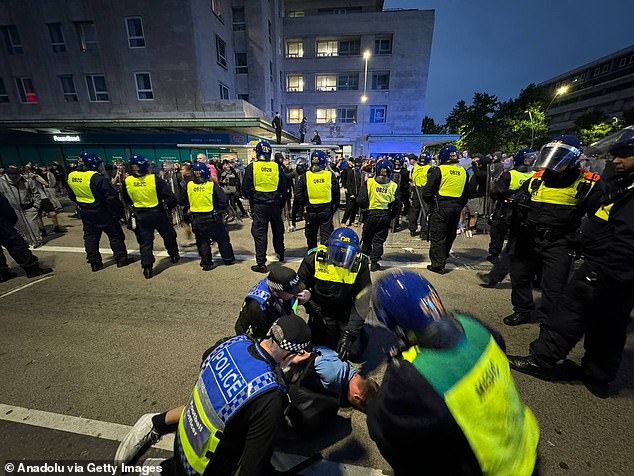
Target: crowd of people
[{"x": 448, "y": 384}]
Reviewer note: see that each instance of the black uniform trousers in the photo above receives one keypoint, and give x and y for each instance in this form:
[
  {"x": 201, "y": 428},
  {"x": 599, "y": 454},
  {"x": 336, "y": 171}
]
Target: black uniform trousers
[
  {"x": 405, "y": 203},
  {"x": 500, "y": 225},
  {"x": 263, "y": 214},
  {"x": 417, "y": 204},
  {"x": 352, "y": 208},
  {"x": 376, "y": 227},
  {"x": 207, "y": 227},
  {"x": 326, "y": 330},
  {"x": 531, "y": 252},
  {"x": 98, "y": 220},
  {"x": 234, "y": 200},
  {"x": 15, "y": 245},
  {"x": 318, "y": 221},
  {"x": 598, "y": 309},
  {"x": 147, "y": 223},
  {"x": 443, "y": 224}
]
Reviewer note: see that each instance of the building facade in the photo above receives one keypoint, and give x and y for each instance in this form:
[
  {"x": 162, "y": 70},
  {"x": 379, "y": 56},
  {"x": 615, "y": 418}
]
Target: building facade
[{"x": 606, "y": 84}]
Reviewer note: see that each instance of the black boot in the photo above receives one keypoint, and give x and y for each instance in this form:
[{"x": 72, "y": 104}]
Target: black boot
[
  {"x": 436, "y": 269},
  {"x": 259, "y": 268},
  {"x": 6, "y": 275},
  {"x": 375, "y": 266},
  {"x": 43, "y": 232},
  {"x": 175, "y": 258},
  {"x": 518, "y": 318},
  {"x": 34, "y": 270},
  {"x": 147, "y": 272},
  {"x": 125, "y": 262},
  {"x": 528, "y": 365},
  {"x": 96, "y": 266}
]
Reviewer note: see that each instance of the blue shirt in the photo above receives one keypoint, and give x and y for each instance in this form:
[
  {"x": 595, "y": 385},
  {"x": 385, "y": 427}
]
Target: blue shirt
[{"x": 334, "y": 373}]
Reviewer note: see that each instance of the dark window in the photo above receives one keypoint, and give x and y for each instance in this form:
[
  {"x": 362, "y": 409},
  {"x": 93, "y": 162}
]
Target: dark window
[
  {"x": 97, "y": 88},
  {"x": 136, "y": 38},
  {"x": 68, "y": 87},
  {"x": 272, "y": 105},
  {"x": 224, "y": 91},
  {"x": 86, "y": 35},
  {"x": 338, "y": 11},
  {"x": 346, "y": 115},
  {"x": 221, "y": 52},
  {"x": 377, "y": 114},
  {"x": 143, "y": 86},
  {"x": 12, "y": 40},
  {"x": 271, "y": 70},
  {"x": 4, "y": 96},
  {"x": 241, "y": 63},
  {"x": 57, "y": 37},
  {"x": 270, "y": 32},
  {"x": 26, "y": 91},
  {"x": 239, "y": 20},
  {"x": 381, "y": 80},
  {"x": 244, "y": 97},
  {"x": 348, "y": 81},
  {"x": 349, "y": 47},
  {"x": 383, "y": 46}
]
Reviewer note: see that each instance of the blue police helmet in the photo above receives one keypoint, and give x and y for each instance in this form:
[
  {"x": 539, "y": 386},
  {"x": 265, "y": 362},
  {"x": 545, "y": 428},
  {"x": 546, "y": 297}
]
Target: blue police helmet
[
  {"x": 406, "y": 302},
  {"x": 343, "y": 247},
  {"x": 90, "y": 160},
  {"x": 448, "y": 153},
  {"x": 424, "y": 157},
  {"x": 263, "y": 150},
  {"x": 560, "y": 154},
  {"x": 201, "y": 170},
  {"x": 384, "y": 168},
  {"x": 344, "y": 165},
  {"x": 318, "y": 160},
  {"x": 521, "y": 155},
  {"x": 623, "y": 145},
  {"x": 139, "y": 165}
]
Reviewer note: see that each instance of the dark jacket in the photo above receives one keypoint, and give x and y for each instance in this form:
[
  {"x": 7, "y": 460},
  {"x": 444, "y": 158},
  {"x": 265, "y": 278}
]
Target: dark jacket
[
  {"x": 106, "y": 196},
  {"x": 277, "y": 123}
]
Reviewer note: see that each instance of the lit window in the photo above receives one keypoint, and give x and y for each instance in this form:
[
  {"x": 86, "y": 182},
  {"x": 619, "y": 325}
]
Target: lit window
[
  {"x": 97, "y": 88},
  {"x": 57, "y": 37},
  {"x": 239, "y": 19},
  {"x": 381, "y": 80},
  {"x": 327, "y": 48},
  {"x": 4, "y": 96},
  {"x": 325, "y": 82},
  {"x": 295, "y": 49},
  {"x": 224, "y": 91},
  {"x": 26, "y": 91},
  {"x": 294, "y": 83},
  {"x": 383, "y": 46},
  {"x": 143, "y": 86},
  {"x": 136, "y": 38},
  {"x": 325, "y": 115},
  {"x": 296, "y": 13},
  {"x": 221, "y": 52},
  {"x": 68, "y": 87},
  {"x": 294, "y": 115},
  {"x": 377, "y": 114},
  {"x": 12, "y": 40},
  {"x": 86, "y": 35},
  {"x": 241, "y": 63},
  {"x": 348, "y": 81},
  {"x": 347, "y": 115},
  {"x": 350, "y": 47}
]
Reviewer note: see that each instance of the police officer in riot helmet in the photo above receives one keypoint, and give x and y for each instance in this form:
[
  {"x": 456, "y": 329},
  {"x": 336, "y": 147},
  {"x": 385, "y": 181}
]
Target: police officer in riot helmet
[
  {"x": 554, "y": 201},
  {"x": 418, "y": 207},
  {"x": 100, "y": 210},
  {"x": 264, "y": 185},
  {"x": 598, "y": 300},
  {"x": 446, "y": 193},
  {"x": 150, "y": 198},
  {"x": 318, "y": 190},
  {"x": 400, "y": 175}
]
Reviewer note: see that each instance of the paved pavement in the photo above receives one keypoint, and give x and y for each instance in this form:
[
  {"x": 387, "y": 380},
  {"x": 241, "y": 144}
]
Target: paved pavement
[{"x": 110, "y": 346}]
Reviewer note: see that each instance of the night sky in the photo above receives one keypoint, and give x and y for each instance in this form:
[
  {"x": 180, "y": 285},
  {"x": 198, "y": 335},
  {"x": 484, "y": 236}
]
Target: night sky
[{"x": 501, "y": 46}]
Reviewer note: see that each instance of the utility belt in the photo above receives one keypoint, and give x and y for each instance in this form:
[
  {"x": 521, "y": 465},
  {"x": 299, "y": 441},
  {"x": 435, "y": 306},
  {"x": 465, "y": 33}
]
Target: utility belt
[
  {"x": 377, "y": 213},
  {"x": 213, "y": 216},
  {"x": 547, "y": 233}
]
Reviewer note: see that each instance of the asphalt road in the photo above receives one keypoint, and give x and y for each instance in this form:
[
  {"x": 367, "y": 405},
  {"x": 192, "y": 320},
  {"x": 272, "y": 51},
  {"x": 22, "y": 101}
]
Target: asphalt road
[{"x": 110, "y": 346}]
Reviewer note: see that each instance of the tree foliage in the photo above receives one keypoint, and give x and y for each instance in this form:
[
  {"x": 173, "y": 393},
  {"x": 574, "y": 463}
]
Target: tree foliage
[
  {"x": 429, "y": 126},
  {"x": 595, "y": 125}
]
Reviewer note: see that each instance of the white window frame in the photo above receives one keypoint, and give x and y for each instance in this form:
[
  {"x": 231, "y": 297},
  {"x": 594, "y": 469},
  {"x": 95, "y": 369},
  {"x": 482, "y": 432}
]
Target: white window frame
[
  {"x": 294, "y": 115},
  {"x": 15, "y": 44},
  {"x": 324, "y": 115},
  {"x": 242, "y": 69},
  {"x": 221, "y": 59},
  {"x": 130, "y": 37},
  {"x": 347, "y": 74},
  {"x": 378, "y": 51},
  {"x": 68, "y": 96},
  {"x": 4, "y": 94},
  {"x": 348, "y": 40},
  {"x": 294, "y": 83},
  {"x": 224, "y": 91},
  {"x": 372, "y": 117},
  {"x": 19, "y": 83},
  {"x": 61, "y": 46},
  {"x": 84, "y": 44},
  {"x": 238, "y": 25},
  {"x": 331, "y": 48},
  {"x": 89, "y": 79},
  {"x": 325, "y": 82},
  {"x": 376, "y": 74},
  {"x": 143, "y": 91},
  {"x": 216, "y": 8},
  {"x": 344, "y": 119},
  {"x": 295, "y": 49}
]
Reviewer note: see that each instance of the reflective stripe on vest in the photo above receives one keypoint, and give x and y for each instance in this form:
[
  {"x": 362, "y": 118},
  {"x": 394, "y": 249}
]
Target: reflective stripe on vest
[
  {"x": 261, "y": 293},
  {"x": 453, "y": 180},
  {"x": 266, "y": 176},
  {"x": 475, "y": 381},
  {"x": 380, "y": 195},
  {"x": 603, "y": 212},
  {"x": 200, "y": 196},
  {"x": 419, "y": 175},
  {"x": 319, "y": 186},
  {"x": 142, "y": 191},
  {"x": 79, "y": 183},
  {"x": 329, "y": 272},
  {"x": 518, "y": 178},
  {"x": 230, "y": 377},
  {"x": 558, "y": 196}
]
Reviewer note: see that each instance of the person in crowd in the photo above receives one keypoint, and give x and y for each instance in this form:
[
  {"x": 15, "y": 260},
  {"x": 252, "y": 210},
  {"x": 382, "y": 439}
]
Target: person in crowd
[
  {"x": 419, "y": 209},
  {"x": 277, "y": 125},
  {"x": 352, "y": 183},
  {"x": 316, "y": 140},
  {"x": 23, "y": 195},
  {"x": 231, "y": 184},
  {"x": 303, "y": 129}
]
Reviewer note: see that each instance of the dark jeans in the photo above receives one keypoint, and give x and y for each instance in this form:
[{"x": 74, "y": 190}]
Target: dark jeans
[
  {"x": 263, "y": 214},
  {"x": 500, "y": 224},
  {"x": 97, "y": 221},
  {"x": 15, "y": 245},
  {"x": 206, "y": 228},
  {"x": 352, "y": 208},
  {"x": 375, "y": 230},
  {"x": 417, "y": 204},
  {"x": 443, "y": 224},
  {"x": 318, "y": 222},
  {"x": 148, "y": 222}
]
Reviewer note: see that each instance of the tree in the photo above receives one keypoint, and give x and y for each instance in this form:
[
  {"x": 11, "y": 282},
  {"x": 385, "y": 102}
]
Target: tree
[
  {"x": 476, "y": 123},
  {"x": 429, "y": 126},
  {"x": 595, "y": 125}
]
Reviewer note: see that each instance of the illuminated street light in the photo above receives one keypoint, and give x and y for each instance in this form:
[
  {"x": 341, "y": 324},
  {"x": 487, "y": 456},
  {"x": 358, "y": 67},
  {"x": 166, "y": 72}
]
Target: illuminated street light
[
  {"x": 366, "y": 55},
  {"x": 560, "y": 91},
  {"x": 364, "y": 98}
]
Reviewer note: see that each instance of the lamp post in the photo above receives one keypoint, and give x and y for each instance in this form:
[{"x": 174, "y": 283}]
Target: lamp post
[
  {"x": 530, "y": 116},
  {"x": 364, "y": 98},
  {"x": 559, "y": 92}
]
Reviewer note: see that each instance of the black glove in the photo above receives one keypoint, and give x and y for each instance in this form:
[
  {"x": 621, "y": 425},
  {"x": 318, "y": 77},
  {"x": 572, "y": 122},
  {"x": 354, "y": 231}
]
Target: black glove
[{"x": 345, "y": 345}]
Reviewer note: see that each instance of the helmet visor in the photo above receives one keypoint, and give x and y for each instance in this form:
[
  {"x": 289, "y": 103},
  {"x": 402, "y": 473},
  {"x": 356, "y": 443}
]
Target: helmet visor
[
  {"x": 557, "y": 157},
  {"x": 342, "y": 255}
]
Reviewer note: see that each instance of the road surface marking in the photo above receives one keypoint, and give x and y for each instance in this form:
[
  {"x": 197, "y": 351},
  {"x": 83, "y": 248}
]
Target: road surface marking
[{"x": 26, "y": 286}]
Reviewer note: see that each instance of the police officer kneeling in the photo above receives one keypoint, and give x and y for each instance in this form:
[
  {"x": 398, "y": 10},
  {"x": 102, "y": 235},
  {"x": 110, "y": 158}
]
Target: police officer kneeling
[
  {"x": 205, "y": 202},
  {"x": 447, "y": 404}
]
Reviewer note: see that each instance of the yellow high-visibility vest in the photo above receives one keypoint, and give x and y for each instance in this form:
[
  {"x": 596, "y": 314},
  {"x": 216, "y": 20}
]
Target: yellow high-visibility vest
[
  {"x": 452, "y": 181},
  {"x": 79, "y": 183},
  {"x": 560, "y": 196},
  {"x": 266, "y": 176},
  {"x": 200, "y": 196},
  {"x": 142, "y": 191},
  {"x": 380, "y": 195},
  {"x": 419, "y": 174},
  {"x": 518, "y": 178},
  {"x": 319, "y": 186}
]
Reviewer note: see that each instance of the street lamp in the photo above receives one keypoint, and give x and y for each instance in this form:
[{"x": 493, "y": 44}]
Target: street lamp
[
  {"x": 364, "y": 98},
  {"x": 530, "y": 116},
  {"x": 559, "y": 92}
]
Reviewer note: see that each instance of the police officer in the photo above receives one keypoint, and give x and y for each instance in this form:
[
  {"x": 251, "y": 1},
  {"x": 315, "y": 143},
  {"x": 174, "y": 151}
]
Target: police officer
[
  {"x": 264, "y": 185},
  {"x": 599, "y": 298},
  {"x": 446, "y": 193},
  {"x": 448, "y": 390},
  {"x": 507, "y": 184},
  {"x": 419, "y": 180},
  {"x": 400, "y": 176},
  {"x": 100, "y": 210},
  {"x": 557, "y": 203},
  {"x": 205, "y": 202},
  {"x": 379, "y": 197},
  {"x": 318, "y": 188},
  {"x": 149, "y": 196},
  {"x": 335, "y": 273}
]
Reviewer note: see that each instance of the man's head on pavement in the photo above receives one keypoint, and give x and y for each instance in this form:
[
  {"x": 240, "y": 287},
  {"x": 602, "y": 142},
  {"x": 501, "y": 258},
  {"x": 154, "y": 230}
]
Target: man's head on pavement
[
  {"x": 289, "y": 337},
  {"x": 360, "y": 391},
  {"x": 284, "y": 283}
]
